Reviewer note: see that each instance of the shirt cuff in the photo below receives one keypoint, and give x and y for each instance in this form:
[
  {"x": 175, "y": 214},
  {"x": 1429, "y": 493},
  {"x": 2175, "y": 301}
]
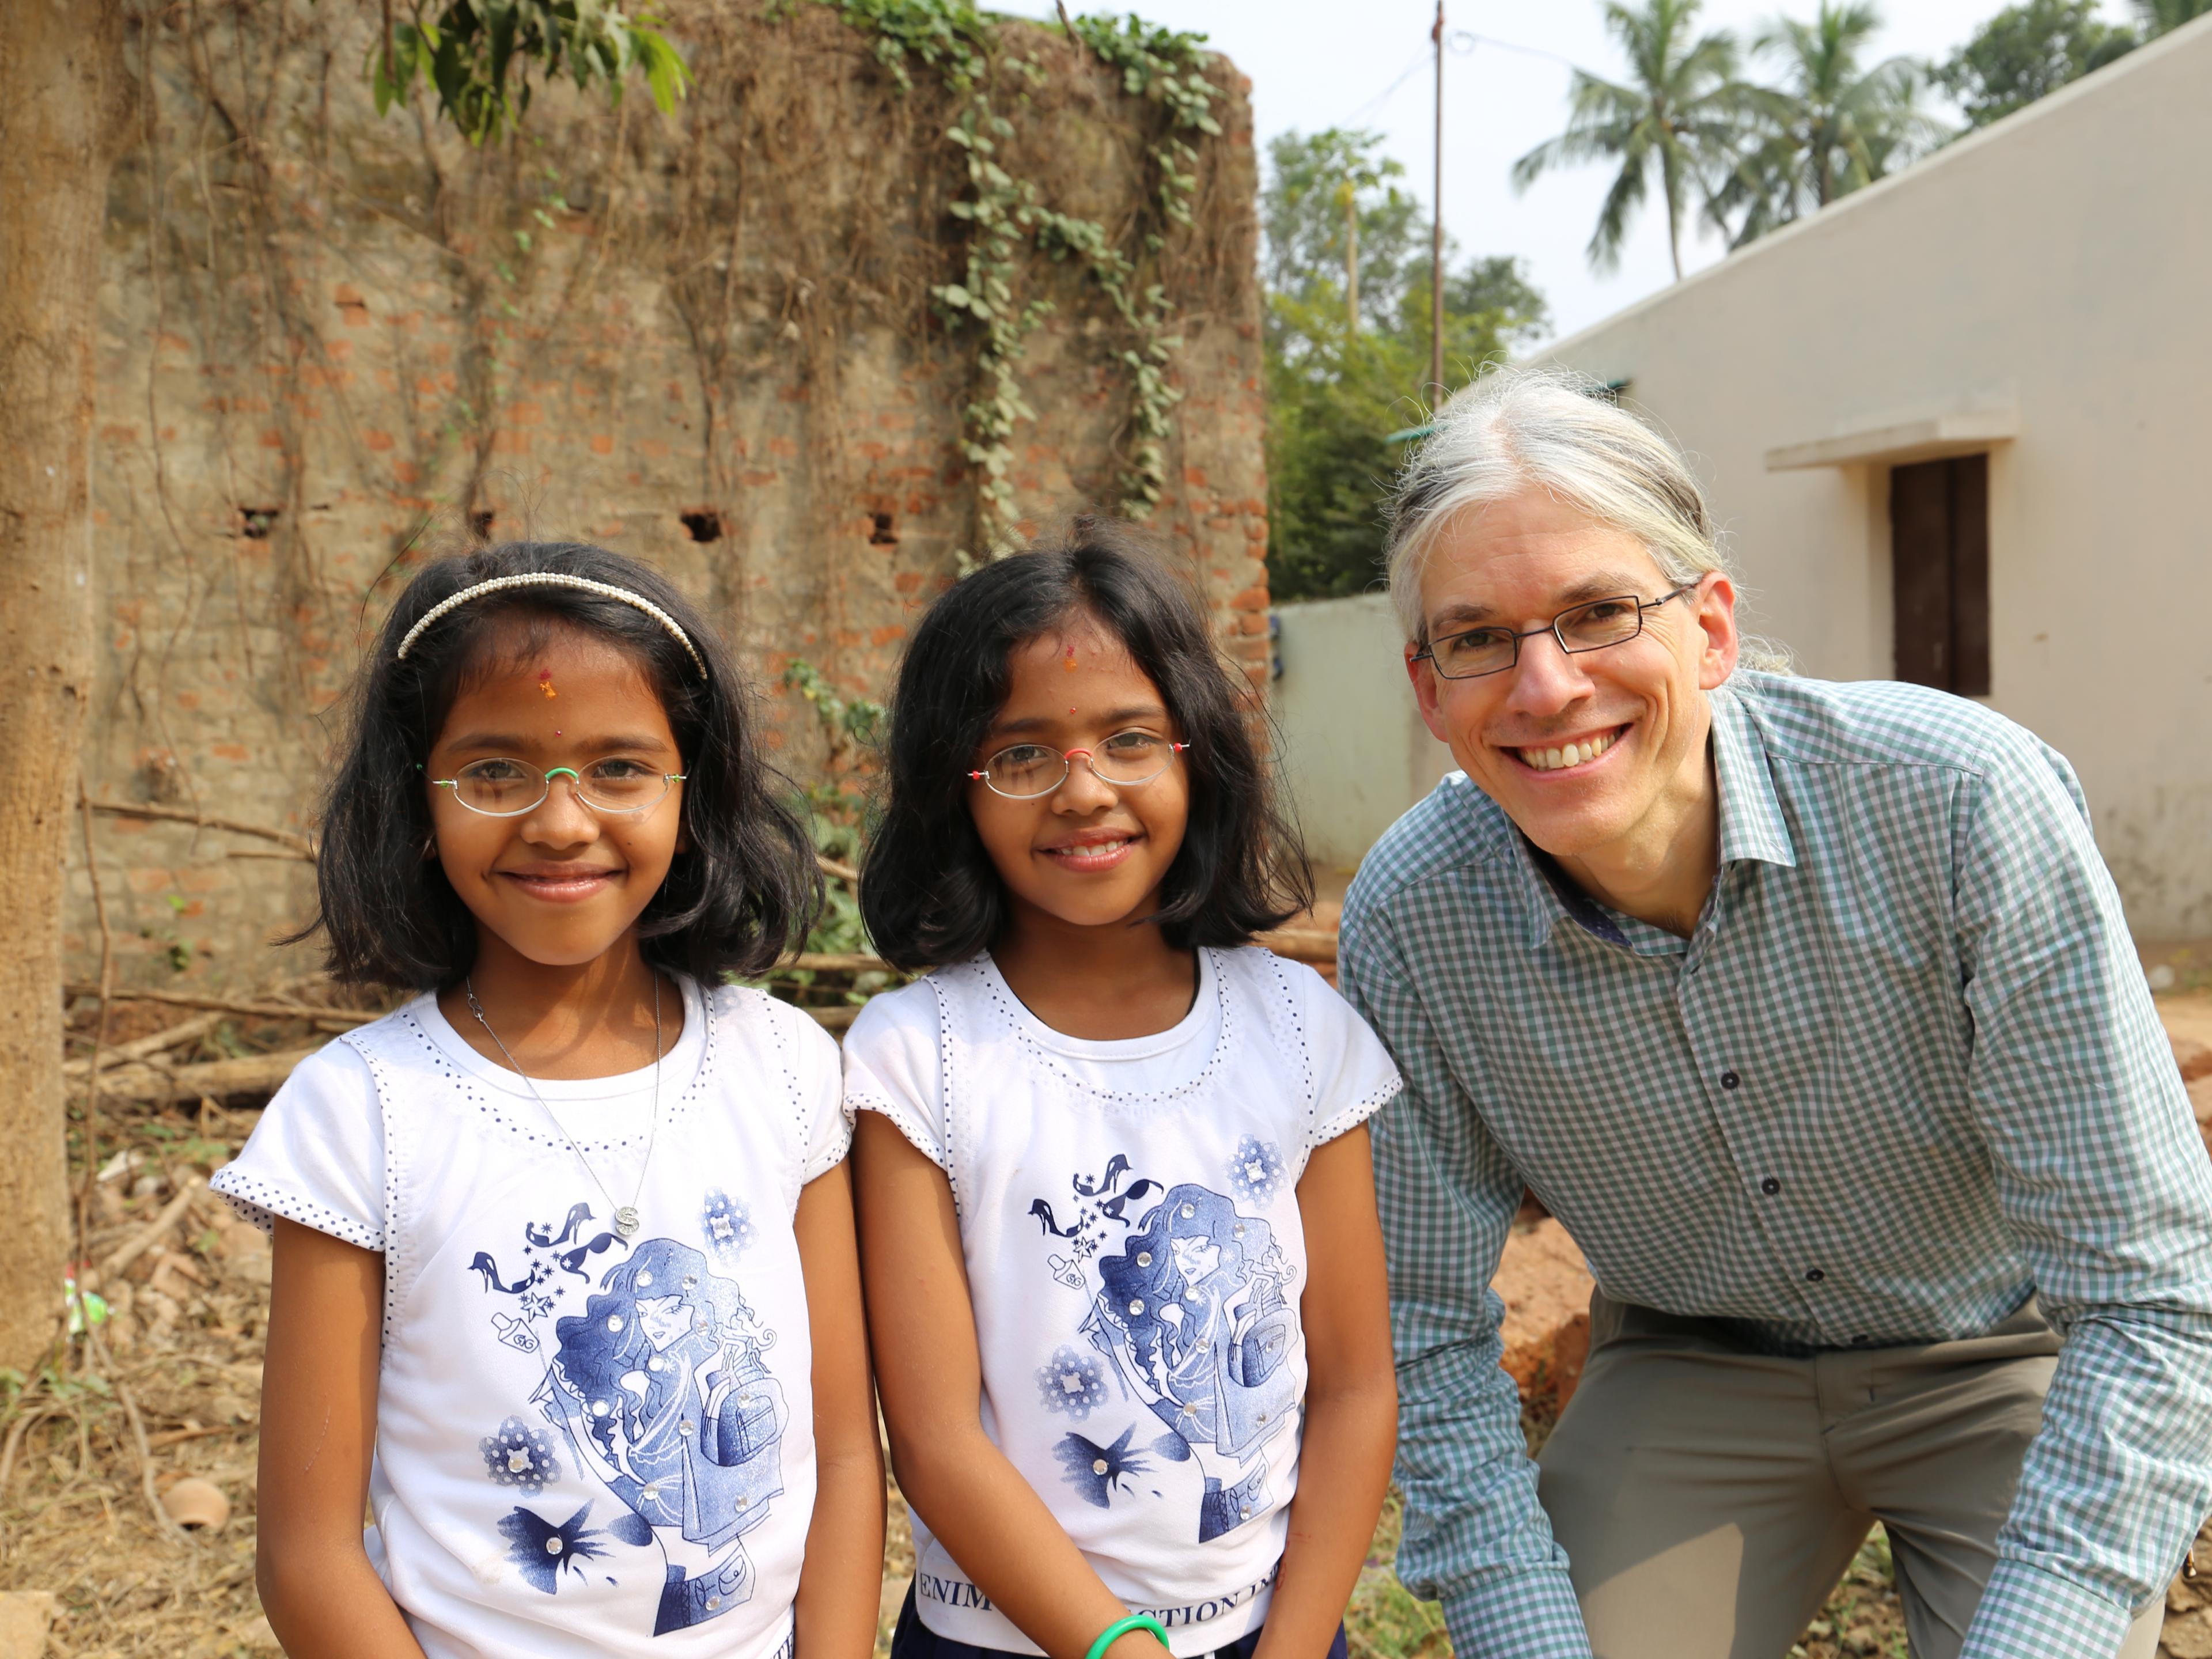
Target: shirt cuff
[
  {"x": 1518, "y": 1615},
  {"x": 2028, "y": 1612}
]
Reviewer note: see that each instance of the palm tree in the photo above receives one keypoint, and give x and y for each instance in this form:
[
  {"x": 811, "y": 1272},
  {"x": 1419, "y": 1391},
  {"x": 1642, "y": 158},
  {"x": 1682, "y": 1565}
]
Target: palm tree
[
  {"x": 1832, "y": 127},
  {"x": 1679, "y": 117},
  {"x": 2160, "y": 15}
]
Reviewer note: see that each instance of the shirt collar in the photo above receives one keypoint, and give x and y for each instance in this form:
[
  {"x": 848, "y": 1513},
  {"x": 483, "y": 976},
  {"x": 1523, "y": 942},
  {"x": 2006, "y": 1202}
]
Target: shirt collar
[{"x": 1752, "y": 826}]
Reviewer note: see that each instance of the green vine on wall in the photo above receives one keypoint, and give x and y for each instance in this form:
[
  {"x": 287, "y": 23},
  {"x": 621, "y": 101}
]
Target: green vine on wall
[{"x": 1010, "y": 215}]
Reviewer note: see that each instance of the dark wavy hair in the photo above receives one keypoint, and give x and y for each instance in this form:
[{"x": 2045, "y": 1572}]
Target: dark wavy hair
[
  {"x": 747, "y": 885},
  {"x": 929, "y": 893}
]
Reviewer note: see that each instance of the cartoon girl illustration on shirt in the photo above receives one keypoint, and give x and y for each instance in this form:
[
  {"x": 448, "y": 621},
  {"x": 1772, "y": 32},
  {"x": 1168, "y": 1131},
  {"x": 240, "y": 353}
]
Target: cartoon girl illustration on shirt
[
  {"x": 1192, "y": 1314},
  {"x": 660, "y": 1387}
]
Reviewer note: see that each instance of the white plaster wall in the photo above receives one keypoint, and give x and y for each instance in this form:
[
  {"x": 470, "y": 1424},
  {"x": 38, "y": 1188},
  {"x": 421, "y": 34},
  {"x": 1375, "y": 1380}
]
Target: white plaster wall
[
  {"x": 2060, "y": 263},
  {"x": 1355, "y": 752}
]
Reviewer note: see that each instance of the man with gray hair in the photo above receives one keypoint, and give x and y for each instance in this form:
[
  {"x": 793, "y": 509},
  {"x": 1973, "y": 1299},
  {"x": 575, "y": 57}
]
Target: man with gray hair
[{"x": 1810, "y": 1011}]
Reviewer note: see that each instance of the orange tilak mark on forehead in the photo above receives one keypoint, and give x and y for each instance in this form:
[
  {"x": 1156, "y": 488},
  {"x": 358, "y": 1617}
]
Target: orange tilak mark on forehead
[
  {"x": 1068, "y": 663},
  {"x": 545, "y": 682}
]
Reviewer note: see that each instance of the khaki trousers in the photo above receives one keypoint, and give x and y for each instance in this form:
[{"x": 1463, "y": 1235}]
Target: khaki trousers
[{"x": 1709, "y": 1497}]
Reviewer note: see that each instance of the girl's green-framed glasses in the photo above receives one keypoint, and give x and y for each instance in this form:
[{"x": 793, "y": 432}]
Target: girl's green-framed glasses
[{"x": 503, "y": 788}]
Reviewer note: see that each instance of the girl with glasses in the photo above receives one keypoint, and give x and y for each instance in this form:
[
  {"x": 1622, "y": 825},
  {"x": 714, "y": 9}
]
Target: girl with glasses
[
  {"x": 566, "y": 1285},
  {"x": 1125, "y": 1277}
]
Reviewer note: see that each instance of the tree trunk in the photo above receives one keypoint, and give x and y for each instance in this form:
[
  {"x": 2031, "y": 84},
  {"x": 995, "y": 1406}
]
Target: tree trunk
[
  {"x": 61, "y": 65},
  {"x": 1351, "y": 262}
]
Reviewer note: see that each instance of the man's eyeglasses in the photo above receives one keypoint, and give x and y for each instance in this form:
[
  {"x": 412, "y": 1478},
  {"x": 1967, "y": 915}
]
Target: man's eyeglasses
[
  {"x": 508, "y": 788},
  {"x": 1591, "y": 626},
  {"x": 1023, "y": 771}
]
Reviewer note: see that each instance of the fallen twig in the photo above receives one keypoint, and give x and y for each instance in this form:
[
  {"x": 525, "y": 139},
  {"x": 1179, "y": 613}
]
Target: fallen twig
[
  {"x": 146, "y": 1046},
  {"x": 249, "y": 1074},
  {"x": 829, "y": 866},
  {"x": 832, "y": 962},
  {"x": 164, "y": 1523},
  {"x": 169, "y": 1437},
  {"x": 119, "y": 1259},
  {"x": 122, "y": 808},
  {"x": 23, "y": 1425},
  {"x": 258, "y": 1009}
]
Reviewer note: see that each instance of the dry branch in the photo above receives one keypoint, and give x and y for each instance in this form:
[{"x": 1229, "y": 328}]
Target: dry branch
[
  {"x": 247, "y": 1005},
  {"x": 833, "y": 962},
  {"x": 119, "y": 1259},
  {"x": 839, "y": 872},
  {"x": 206, "y": 821},
  {"x": 160, "y": 1041},
  {"x": 249, "y": 1074}
]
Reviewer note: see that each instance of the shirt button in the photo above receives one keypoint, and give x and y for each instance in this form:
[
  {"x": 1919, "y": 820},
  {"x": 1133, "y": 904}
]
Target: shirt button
[
  {"x": 1769, "y": 1186},
  {"x": 1729, "y": 1080},
  {"x": 1814, "y": 1275}
]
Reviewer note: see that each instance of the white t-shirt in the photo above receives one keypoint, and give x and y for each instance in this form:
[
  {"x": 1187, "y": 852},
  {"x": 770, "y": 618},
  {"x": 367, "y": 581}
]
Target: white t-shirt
[
  {"x": 583, "y": 1447},
  {"x": 1129, "y": 1217}
]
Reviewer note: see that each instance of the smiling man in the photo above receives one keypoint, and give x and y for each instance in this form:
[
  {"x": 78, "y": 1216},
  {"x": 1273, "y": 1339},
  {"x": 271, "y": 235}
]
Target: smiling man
[{"x": 1810, "y": 1010}]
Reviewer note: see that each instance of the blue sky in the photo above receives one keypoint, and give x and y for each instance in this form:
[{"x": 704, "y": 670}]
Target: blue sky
[{"x": 1316, "y": 64}]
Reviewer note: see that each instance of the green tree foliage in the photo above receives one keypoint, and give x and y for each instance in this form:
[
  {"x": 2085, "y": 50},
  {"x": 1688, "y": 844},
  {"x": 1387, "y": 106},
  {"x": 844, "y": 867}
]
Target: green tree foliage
[
  {"x": 2026, "y": 52},
  {"x": 1678, "y": 117},
  {"x": 480, "y": 55},
  {"x": 1311, "y": 183},
  {"x": 1335, "y": 393},
  {"x": 1831, "y": 126},
  {"x": 2160, "y": 15}
]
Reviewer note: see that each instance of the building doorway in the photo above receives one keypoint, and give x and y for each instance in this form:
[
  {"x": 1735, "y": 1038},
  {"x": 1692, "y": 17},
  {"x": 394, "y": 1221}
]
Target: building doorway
[{"x": 1939, "y": 517}]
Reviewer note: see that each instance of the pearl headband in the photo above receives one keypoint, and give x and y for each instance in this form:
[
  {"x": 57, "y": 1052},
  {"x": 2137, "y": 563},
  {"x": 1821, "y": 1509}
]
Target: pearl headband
[{"x": 552, "y": 578}]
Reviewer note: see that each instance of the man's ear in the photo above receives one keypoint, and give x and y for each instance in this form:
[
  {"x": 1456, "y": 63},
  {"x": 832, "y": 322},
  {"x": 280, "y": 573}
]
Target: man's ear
[
  {"x": 1425, "y": 692},
  {"x": 1714, "y": 610}
]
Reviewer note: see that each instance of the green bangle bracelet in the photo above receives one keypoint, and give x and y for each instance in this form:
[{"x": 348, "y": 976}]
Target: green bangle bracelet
[{"x": 1120, "y": 1627}]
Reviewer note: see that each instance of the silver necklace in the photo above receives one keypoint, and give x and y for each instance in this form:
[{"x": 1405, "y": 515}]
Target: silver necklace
[{"x": 626, "y": 1221}]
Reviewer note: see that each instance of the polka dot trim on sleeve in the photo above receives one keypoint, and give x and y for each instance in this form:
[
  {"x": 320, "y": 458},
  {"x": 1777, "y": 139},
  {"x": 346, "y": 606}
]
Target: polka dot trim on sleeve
[{"x": 260, "y": 1202}]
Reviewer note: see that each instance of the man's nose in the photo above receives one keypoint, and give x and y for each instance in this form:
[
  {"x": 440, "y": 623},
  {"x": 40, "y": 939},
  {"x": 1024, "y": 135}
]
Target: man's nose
[{"x": 1547, "y": 678}]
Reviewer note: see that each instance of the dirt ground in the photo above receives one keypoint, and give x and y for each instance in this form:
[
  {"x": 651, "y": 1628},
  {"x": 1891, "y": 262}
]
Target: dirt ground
[{"x": 180, "y": 1351}]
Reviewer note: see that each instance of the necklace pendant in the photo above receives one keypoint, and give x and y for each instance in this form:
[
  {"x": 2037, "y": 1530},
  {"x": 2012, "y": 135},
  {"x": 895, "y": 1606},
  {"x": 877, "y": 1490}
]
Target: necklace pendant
[{"x": 626, "y": 1222}]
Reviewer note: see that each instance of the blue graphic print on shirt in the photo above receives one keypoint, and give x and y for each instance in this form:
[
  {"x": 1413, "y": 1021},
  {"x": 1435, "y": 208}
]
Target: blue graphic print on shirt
[
  {"x": 1190, "y": 1316},
  {"x": 659, "y": 1388}
]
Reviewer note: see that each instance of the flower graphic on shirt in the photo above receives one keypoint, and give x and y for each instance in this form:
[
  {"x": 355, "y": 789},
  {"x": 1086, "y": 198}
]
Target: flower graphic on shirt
[
  {"x": 1256, "y": 1171},
  {"x": 540, "y": 1549},
  {"x": 1071, "y": 1383},
  {"x": 1095, "y": 1470},
  {"x": 519, "y": 1454},
  {"x": 726, "y": 1225}
]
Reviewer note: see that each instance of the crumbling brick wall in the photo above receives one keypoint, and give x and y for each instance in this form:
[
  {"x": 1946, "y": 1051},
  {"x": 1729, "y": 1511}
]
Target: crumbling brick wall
[{"x": 332, "y": 342}]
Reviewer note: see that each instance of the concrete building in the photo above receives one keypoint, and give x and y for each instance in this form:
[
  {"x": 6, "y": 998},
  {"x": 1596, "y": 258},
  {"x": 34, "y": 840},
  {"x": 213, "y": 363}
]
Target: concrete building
[{"x": 1958, "y": 426}]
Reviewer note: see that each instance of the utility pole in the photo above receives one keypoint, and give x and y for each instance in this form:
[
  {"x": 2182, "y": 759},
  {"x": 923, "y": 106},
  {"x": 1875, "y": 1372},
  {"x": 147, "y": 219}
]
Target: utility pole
[{"x": 1436, "y": 231}]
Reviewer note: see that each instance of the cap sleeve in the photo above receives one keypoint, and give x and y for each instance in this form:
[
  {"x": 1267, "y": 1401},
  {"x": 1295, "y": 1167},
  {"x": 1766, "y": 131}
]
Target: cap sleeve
[
  {"x": 316, "y": 1156},
  {"x": 1353, "y": 1074},
  {"x": 893, "y": 1068}
]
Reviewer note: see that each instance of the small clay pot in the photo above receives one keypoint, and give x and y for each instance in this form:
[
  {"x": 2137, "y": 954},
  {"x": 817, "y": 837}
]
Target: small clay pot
[{"x": 196, "y": 1506}]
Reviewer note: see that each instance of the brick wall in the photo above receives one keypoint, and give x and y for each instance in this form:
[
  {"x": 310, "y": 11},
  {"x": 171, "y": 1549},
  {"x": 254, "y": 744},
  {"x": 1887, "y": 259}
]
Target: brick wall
[{"x": 705, "y": 341}]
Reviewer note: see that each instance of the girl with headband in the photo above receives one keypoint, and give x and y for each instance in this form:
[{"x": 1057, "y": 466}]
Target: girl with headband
[{"x": 566, "y": 1288}]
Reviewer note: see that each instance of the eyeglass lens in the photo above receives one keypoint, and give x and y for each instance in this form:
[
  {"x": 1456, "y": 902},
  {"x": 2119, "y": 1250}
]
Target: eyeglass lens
[
  {"x": 501, "y": 788},
  {"x": 1590, "y": 627},
  {"x": 1025, "y": 770}
]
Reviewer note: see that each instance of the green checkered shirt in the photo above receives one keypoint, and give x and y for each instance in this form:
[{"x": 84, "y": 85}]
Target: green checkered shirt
[{"x": 1905, "y": 1074}]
